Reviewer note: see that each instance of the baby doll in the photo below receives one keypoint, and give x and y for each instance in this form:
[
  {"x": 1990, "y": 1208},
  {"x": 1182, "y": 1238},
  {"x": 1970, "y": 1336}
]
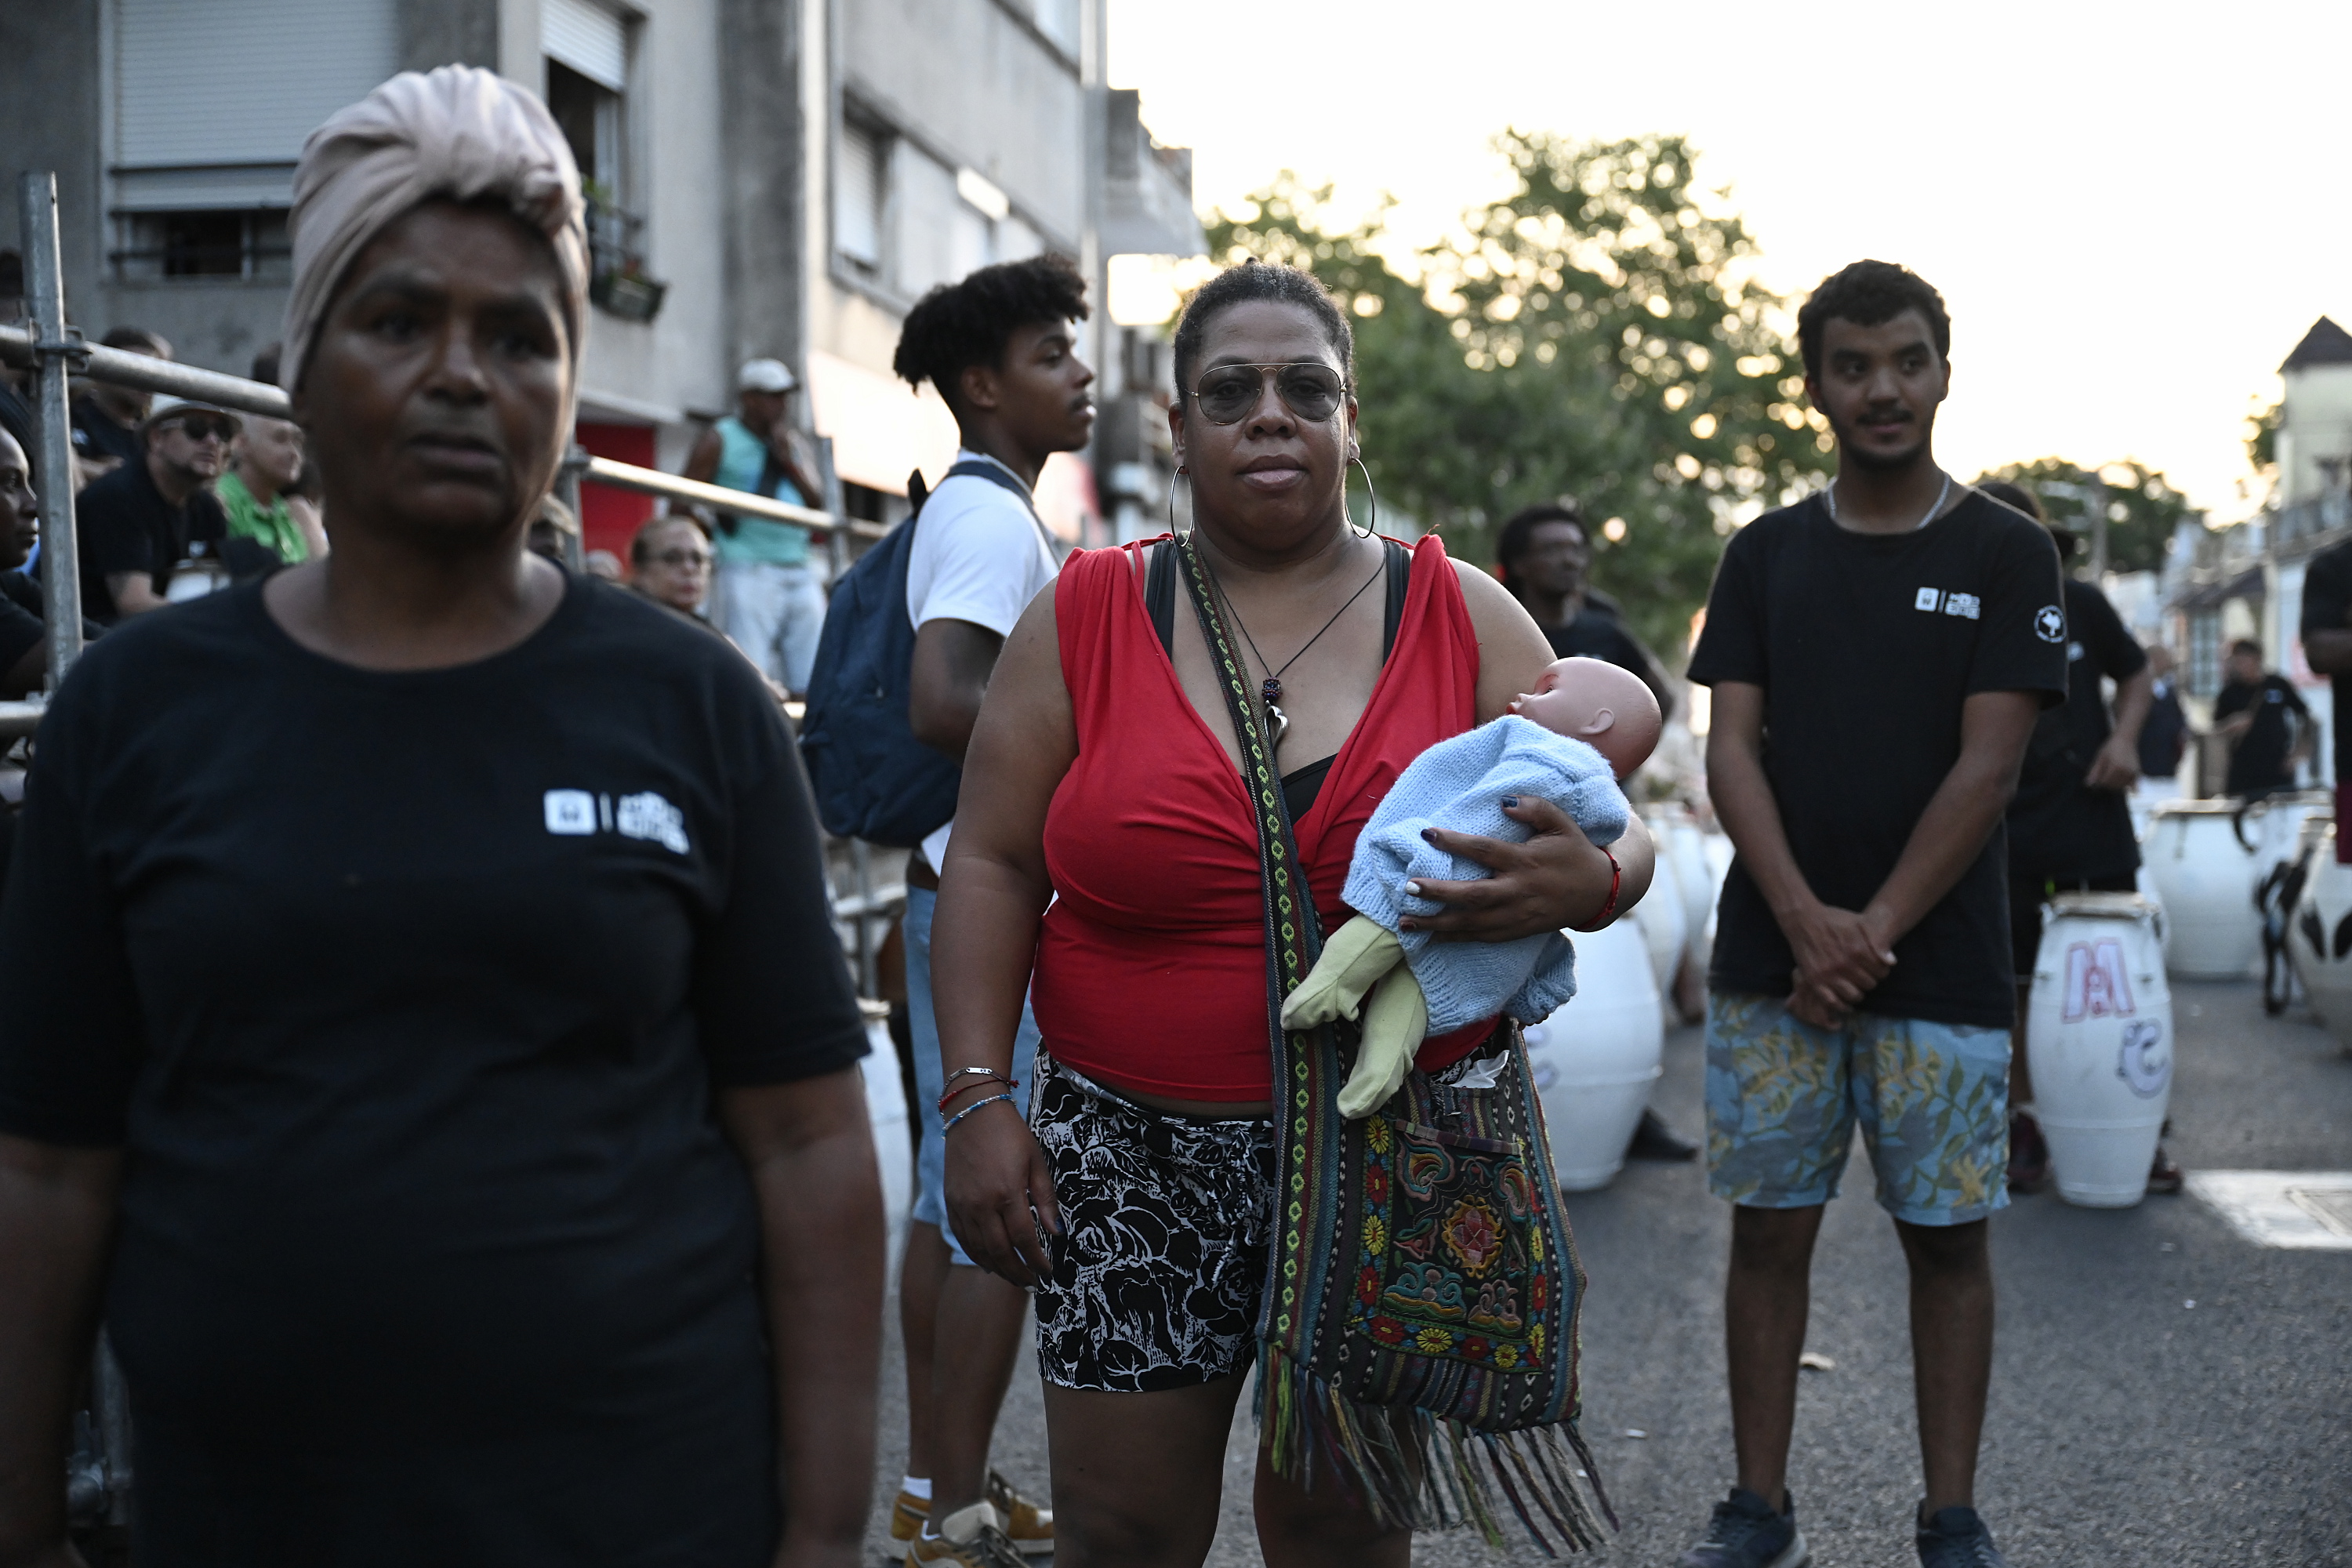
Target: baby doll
[{"x": 1586, "y": 725}]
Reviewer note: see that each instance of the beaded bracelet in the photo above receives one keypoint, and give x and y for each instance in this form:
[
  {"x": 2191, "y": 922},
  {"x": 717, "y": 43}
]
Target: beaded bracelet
[
  {"x": 968, "y": 1109},
  {"x": 1010, "y": 1083}
]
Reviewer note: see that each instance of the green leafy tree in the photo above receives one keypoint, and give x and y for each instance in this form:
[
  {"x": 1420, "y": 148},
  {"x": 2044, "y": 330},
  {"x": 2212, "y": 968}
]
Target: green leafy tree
[
  {"x": 2143, "y": 509},
  {"x": 2262, "y": 426},
  {"x": 1587, "y": 335}
]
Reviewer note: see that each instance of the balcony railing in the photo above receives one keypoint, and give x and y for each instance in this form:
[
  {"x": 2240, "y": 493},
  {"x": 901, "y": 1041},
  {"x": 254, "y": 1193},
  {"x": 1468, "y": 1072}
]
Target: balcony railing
[{"x": 618, "y": 280}]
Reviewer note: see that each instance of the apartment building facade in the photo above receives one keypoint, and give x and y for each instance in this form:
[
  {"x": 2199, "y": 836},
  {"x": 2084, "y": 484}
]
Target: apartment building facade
[{"x": 766, "y": 177}]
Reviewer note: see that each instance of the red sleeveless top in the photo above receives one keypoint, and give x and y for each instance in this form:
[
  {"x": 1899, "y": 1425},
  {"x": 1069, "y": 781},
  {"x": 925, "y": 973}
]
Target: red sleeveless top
[{"x": 1151, "y": 964}]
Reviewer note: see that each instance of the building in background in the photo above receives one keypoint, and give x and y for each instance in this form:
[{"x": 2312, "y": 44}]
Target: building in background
[
  {"x": 765, "y": 177},
  {"x": 2247, "y": 581}
]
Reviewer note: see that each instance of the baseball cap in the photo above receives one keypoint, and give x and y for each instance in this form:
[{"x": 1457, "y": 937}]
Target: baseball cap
[
  {"x": 167, "y": 407},
  {"x": 765, "y": 375}
]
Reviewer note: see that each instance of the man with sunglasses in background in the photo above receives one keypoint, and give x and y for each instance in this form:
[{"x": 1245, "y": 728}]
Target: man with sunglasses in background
[{"x": 141, "y": 521}]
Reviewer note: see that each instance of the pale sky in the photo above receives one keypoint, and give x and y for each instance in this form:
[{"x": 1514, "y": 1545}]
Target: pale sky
[{"x": 2133, "y": 212}]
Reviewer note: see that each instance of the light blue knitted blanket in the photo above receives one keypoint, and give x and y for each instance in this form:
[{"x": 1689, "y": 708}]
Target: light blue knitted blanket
[{"x": 1458, "y": 785}]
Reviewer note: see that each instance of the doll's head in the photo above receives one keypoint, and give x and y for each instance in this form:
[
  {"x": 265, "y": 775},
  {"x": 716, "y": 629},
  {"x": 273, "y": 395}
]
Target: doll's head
[{"x": 1601, "y": 704}]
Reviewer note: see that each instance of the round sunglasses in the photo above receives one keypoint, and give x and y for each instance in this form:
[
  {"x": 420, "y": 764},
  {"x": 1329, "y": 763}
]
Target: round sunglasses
[{"x": 1308, "y": 388}]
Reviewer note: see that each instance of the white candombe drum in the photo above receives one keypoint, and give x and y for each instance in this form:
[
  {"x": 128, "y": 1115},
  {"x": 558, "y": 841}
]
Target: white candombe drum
[
  {"x": 2146, "y": 879},
  {"x": 2098, "y": 1034},
  {"x": 1716, "y": 849},
  {"x": 1696, "y": 889},
  {"x": 886, "y": 1108},
  {"x": 2319, "y": 936},
  {"x": 2205, "y": 881},
  {"x": 1664, "y": 931},
  {"x": 2274, "y": 825},
  {"x": 1596, "y": 1057}
]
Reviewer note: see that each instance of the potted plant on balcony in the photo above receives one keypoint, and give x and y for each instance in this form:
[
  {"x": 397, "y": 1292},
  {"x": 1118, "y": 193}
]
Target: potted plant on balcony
[{"x": 618, "y": 280}]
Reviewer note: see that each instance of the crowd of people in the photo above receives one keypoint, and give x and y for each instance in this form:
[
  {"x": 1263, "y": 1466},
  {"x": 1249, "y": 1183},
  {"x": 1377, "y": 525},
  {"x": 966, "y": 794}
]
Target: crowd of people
[{"x": 425, "y": 1045}]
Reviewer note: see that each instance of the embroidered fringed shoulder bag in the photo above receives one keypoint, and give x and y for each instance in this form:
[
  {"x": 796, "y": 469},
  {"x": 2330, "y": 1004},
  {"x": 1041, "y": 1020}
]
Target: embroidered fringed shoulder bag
[{"x": 1418, "y": 1340}]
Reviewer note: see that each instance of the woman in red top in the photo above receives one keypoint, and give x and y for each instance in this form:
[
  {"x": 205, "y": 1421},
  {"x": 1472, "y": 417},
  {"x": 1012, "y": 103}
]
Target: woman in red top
[{"x": 1104, "y": 778}]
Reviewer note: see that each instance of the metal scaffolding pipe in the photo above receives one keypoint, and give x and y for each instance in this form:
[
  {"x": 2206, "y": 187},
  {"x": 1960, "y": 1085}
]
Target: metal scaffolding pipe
[
  {"x": 22, "y": 346},
  {"x": 49, "y": 349},
  {"x": 144, "y": 371},
  {"x": 653, "y": 481}
]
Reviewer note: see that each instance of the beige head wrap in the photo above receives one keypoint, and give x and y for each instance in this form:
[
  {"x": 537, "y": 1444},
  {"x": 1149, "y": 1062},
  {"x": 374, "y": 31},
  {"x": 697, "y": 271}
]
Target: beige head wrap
[{"x": 458, "y": 131}]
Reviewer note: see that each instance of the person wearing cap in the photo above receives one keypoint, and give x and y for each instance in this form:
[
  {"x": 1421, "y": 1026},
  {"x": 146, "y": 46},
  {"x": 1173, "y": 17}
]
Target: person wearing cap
[
  {"x": 107, "y": 418},
  {"x": 765, "y": 593},
  {"x": 139, "y": 522}
]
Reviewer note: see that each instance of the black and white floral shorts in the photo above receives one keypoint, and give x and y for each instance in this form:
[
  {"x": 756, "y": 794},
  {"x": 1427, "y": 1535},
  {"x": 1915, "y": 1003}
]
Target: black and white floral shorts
[{"x": 1166, "y": 1220}]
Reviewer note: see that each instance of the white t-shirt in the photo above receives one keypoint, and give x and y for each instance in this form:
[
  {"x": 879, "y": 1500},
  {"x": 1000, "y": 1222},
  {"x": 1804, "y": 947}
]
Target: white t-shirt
[{"x": 979, "y": 556}]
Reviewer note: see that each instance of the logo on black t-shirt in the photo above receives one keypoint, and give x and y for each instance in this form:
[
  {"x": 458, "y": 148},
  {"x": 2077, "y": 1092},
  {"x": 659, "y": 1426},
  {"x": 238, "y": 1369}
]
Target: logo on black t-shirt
[
  {"x": 644, "y": 816},
  {"x": 2050, "y": 624}
]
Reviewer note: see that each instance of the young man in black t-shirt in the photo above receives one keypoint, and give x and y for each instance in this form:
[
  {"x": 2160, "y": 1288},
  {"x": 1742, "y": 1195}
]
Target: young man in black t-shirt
[
  {"x": 1543, "y": 555},
  {"x": 1546, "y": 556},
  {"x": 1878, "y": 654},
  {"x": 2267, "y": 720},
  {"x": 2327, "y": 648},
  {"x": 2070, "y": 829}
]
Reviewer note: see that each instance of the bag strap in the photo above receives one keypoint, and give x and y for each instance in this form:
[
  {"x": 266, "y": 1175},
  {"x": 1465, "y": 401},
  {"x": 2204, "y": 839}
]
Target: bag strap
[
  {"x": 996, "y": 474},
  {"x": 1294, "y": 937}
]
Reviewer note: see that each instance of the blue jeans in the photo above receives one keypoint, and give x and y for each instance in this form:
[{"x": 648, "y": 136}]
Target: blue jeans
[{"x": 931, "y": 1159}]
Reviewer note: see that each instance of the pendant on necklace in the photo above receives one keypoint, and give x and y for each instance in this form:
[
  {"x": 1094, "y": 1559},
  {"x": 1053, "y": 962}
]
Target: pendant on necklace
[{"x": 1278, "y": 721}]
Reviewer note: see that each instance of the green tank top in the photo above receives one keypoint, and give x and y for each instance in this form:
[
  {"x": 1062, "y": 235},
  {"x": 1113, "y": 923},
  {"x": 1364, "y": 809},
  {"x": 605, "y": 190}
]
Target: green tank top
[{"x": 743, "y": 458}]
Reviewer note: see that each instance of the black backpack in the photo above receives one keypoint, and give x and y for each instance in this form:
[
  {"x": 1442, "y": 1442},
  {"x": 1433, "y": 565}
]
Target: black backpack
[{"x": 872, "y": 779}]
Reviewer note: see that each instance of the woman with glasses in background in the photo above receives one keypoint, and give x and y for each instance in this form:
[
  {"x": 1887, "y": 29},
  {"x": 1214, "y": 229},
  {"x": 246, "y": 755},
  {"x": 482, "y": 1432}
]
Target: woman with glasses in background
[
  {"x": 1105, "y": 778},
  {"x": 669, "y": 563}
]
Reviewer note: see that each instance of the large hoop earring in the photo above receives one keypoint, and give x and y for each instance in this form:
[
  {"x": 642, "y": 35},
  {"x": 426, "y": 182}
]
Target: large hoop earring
[
  {"x": 1371, "y": 495},
  {"x": 1172, "y": 529}
]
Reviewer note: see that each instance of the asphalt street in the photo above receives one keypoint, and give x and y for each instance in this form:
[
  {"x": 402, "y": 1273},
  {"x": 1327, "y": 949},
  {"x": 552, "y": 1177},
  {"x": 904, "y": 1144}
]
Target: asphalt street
[{"x": 2126, "y": 1426}]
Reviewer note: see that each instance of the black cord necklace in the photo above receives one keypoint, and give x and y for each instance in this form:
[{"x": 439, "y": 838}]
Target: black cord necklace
[{"x": 1278, "y": 722}]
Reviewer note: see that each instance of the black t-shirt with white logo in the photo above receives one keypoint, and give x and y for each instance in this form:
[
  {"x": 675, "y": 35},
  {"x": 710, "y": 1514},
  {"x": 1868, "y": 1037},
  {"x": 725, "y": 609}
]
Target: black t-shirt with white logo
[
  {"x": 2327, "y": 608},
  {"x": 2057, "y": 825},
  {"x": 1866, "y": 646},
  {"x": 409, "y": 996}
]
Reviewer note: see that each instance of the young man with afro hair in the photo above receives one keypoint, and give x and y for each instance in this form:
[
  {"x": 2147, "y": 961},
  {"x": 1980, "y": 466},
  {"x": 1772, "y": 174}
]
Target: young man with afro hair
[{"x": 1001, "y": 347}]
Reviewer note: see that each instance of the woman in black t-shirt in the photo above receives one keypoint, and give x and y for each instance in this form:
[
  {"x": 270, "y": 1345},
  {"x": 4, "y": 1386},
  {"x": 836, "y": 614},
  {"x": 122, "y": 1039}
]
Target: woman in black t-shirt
[{"x": 419, "y": 1009}]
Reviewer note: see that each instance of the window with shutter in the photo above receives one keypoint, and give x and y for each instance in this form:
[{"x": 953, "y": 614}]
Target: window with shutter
[
  {"x": 201, "y": 164},
  {"x": 861, "y": 188}
]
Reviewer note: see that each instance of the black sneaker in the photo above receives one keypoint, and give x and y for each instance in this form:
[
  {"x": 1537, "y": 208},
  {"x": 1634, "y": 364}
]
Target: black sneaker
[
  {"x": 1653, "y": 1140},
  {"x": 1957, "y": 1538},
  {"x": 1745, "y": 1533}
]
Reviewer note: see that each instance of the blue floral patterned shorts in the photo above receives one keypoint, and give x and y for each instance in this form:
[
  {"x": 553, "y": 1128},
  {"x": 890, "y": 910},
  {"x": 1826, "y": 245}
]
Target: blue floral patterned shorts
[{"x": 1783, "y": 1099}]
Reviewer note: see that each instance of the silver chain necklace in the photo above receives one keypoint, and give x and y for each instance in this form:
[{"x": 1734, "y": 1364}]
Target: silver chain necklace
[{"x": 1829, "y": 500}]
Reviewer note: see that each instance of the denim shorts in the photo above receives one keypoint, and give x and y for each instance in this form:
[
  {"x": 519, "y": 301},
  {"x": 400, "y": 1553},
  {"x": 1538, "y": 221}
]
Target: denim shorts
[
  {"x": 931, "y": 1155},
  {"x": 1783, "y": 1099}
]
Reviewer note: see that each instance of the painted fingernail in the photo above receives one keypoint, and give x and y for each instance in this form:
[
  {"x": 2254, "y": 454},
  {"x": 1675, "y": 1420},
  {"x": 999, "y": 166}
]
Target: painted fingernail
[
  {"x": 1510, "y": 802},
  {"x": 1429, "y": 835},
  {"x": 1414, "y": 888}
]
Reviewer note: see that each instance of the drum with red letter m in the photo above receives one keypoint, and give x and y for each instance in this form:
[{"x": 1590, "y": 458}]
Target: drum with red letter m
[{"x": 2098, "y": 1034}]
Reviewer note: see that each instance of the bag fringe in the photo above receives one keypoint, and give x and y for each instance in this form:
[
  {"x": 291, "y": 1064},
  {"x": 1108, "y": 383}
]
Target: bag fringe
[{"x": 1430, "y": 1472}]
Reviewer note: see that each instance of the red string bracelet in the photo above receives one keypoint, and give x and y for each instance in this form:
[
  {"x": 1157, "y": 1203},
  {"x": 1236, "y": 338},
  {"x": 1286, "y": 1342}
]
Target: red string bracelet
[
  {"x": 1616, "y": 881},
  {"x": 985, "y": 1074}
]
